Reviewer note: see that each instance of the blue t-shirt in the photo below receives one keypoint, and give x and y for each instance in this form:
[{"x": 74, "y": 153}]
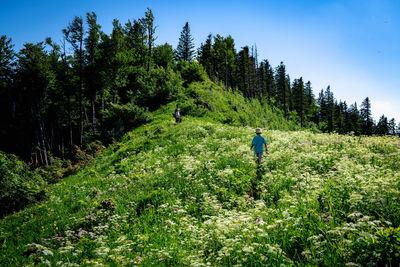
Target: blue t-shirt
[{"x": 258, "y": 142}]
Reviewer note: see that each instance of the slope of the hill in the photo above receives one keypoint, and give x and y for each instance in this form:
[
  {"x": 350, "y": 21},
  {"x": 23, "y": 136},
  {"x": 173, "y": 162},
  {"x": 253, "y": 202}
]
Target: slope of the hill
[
  {"x": 191, "y": 194},
  {"x": 230, "y": 107}
]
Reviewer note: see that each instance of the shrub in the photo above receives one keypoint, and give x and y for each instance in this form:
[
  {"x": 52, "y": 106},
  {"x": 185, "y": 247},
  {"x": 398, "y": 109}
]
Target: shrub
[
  {"x": 191, "y": 72},
  {"x": 18, "y": 185},
  {"x": 118, "y": 119},
  {"x": 158, "y": 87}
]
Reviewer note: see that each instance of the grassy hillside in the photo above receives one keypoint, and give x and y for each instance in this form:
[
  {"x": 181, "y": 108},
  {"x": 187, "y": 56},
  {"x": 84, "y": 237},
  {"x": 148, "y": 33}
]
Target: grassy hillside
[
  {"x": 229, "y": 107},
  {"x": 191, "y": 194}
]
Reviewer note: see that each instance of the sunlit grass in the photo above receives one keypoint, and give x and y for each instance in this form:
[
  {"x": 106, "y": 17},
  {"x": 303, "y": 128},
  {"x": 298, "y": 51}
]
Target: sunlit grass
[{"x": 191, "y": 194}]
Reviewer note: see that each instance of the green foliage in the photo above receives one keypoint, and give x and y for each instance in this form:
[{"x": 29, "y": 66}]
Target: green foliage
[
  {"x": 234, "y": 109},
  {"x": 118, "y": 119},
  {"x": 163, "y": 56},
  {"x": 193, "y": 193},
  {"x": 185, "y": 48},
  {"x": 191, "y": 72},
  {"x": 18, "y": 185},
  {"x": 158, "y": 87}
]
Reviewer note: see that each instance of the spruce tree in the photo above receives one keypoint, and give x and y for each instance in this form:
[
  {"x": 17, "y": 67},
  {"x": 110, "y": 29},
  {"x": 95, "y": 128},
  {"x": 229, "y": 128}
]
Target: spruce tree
[
  {"x": 366, "y": 118},
  {"x": 92, "y": 76},
  {"x": 74, "y": 34},
  {"x": 206, "y": 57},
  {"x": 299, "y": 99},
  {"x": 7, "y": 92},
  {"x": 392, "y": 126},
  {"x": 185, "y": 49},
  {"x": 148, "y": 24},
  {"x": 282, "y": 89},
  {"x": 382, "y": 128},
  {"x": 266, "y": 74},
  {"x": 339, "y": 117}
]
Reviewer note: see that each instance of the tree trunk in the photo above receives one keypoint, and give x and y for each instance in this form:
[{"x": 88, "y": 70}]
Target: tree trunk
[
  {"x": 93, "y": 117},
  {"x": 69, "y": 122}
]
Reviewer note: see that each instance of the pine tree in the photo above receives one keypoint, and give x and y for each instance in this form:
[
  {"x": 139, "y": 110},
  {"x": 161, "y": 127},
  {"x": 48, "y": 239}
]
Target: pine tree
[
  {"x": 392, "y": 126},
  {"x": 148, "y": 24},
  {"x": 243, "y": 72},
  {"x": 282, "y": 89},
  {"x": 382, "y": 128},
  {"x": 266, "y": 74},
  {"x": 398, "y": 129},
  {"x": 330, "y": 109},
  {"x": 7, "y": 92},
  {"x": 354, "y": 119},
  {"x": 74, "y": 34},
  {"x": 32, "y": 89},
  {"x": 185, "y": 49},
  {"x": 224, "y": 59},
  {"x": 366, "y": 118},
  {"x": 299, "y": 99},
  {"x": 92, "y": 70},
  {"x": 339, "y": 118},
  {"x": 206, "y": 57}
]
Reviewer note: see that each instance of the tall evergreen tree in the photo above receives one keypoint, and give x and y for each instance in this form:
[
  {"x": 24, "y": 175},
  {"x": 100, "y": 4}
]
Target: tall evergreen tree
[
  {"x": 185, "y": 49},
  {"x": 243, "y": 72},
  {"x": 74, "y": 34},
  {"x": 366, "y": 118},
  {"x": 32, "y": 87},
  {"x": 299, "y": 99},
  {"x": 224, "y": 59},
  {"x": 206, "y": 57},
  {"x": 7, "y": 92},
  {"x": 282, "y": 89},
  {"x": 148, "y": 24},
  {"x": 266, "y": 74},
  {"x": 92, "y": 76},
  {"x": 392, "y": 126},
  {"x": 330, "y": 109},
  {"x": 354, "y": 119},
  {"x": 339, "y": 118},
  {"x": 398, "y": 129},
  {"x": 382, "y": 128}
]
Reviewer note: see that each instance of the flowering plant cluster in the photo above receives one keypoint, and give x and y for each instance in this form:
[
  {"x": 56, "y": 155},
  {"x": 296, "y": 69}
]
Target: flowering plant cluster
[{"x": 192, "y": 194}]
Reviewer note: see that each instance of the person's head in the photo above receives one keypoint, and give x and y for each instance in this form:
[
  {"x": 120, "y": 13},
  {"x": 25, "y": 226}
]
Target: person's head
[{"x": 258, "y": 131}]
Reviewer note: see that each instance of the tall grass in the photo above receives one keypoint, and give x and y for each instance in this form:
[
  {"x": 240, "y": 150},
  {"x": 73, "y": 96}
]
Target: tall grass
[{"x": 192, "y": 194}]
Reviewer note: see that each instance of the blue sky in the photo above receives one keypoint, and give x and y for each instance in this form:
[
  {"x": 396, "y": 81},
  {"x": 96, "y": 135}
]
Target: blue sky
[{"x": 351, "y": 45}]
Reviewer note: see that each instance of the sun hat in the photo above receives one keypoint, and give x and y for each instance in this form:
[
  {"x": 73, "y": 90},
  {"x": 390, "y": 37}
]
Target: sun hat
[{"x": 258, "y": 130}]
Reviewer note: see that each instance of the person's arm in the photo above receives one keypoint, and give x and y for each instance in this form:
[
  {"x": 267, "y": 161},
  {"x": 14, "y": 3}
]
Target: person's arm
[
  {"x": 265, "y": 145},
  {"x": 251, "y": 148}
]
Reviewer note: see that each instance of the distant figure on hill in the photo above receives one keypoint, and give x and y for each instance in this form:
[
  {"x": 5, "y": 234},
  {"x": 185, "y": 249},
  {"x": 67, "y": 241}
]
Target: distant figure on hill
[
  {"x": 177, "y": 115},
  {"x": 258, "y": 144}
]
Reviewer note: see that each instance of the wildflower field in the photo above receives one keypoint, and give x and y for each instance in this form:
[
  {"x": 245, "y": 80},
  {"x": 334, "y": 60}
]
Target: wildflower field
[{"x": 190, "y": 194}]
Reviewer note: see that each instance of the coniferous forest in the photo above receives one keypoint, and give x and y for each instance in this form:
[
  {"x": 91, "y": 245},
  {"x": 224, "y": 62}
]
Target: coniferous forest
[{"x": 57, "y": 98}]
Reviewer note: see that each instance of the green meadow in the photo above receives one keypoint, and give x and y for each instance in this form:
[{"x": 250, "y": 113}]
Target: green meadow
[{"x": 191, "y": 194}]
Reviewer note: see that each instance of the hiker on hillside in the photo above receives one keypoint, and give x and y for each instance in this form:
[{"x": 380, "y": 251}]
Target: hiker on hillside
[
  {"x": 258, "y": 144},
  {"x": 177, "y": 115}
]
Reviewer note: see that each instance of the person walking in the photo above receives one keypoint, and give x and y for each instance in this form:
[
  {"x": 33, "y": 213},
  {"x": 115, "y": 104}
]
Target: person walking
[
  {"x": 177, "y": 115},
  {"x": 258, "y": 143}
]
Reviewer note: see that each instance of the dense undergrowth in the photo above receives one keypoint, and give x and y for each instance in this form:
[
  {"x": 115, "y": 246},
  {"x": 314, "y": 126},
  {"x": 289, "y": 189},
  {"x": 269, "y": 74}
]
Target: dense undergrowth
[
  {"x": 19, "y": 186},
  {"x": 191, "y": 194}
]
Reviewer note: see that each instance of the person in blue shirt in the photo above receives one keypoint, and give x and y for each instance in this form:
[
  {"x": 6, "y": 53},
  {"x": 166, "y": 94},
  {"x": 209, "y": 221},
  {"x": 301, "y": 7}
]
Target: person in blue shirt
[{"x": 258, "y": 144}]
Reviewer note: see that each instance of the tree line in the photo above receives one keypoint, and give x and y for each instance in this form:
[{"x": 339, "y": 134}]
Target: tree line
[{"x": 91, "y": 87}]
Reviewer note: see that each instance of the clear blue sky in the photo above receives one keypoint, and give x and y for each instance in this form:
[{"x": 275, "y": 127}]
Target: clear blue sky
[{"x": 351, "y": 45}]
